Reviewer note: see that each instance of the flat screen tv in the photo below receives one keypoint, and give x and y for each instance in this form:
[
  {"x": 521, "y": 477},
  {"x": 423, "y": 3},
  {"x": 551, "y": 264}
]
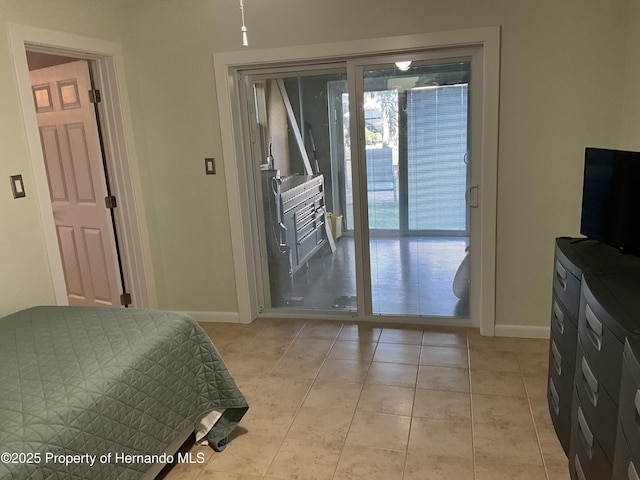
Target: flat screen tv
[{"x": 611, "y": 198}]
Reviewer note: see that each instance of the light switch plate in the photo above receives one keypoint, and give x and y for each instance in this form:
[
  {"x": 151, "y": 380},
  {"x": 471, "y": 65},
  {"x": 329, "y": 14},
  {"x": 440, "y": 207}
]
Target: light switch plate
[
  {"x": 17, "y": 186},
  {"x": 210, "y": 166}
]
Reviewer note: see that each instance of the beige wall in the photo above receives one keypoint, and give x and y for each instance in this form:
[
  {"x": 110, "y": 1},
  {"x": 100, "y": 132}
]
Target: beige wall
[
  {"x": 563, "y": 77},
  {"x": 630, "y": 132},
  {"x": 173, "y": 44}
]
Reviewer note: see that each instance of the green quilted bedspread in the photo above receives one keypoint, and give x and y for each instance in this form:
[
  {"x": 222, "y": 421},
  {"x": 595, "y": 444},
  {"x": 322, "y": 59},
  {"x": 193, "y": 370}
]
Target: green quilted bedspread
[{"x": 102, "y": 392}]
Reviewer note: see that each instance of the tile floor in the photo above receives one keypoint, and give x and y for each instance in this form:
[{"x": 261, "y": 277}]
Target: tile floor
[
  {"x": 354, "y": 402},
  {"x": 410, "y": 275}
]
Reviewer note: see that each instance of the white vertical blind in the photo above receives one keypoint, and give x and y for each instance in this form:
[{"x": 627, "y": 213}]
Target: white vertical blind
[{"x": 437, "y": 147}]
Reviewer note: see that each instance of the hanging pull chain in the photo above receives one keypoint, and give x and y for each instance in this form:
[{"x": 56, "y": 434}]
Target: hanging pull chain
[{"x": 245, "y": 41}]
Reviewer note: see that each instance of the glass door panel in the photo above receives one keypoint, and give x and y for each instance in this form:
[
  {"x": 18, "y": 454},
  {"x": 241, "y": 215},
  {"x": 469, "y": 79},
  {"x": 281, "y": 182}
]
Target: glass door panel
[
  {"x": 417, "y": 171},
  {"x": 300, "y": 151}
]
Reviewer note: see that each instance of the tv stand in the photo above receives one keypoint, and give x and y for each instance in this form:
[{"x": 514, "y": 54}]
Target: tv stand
[
  {"x": 582, "y": 239},
  {"x": 595, "y": 307}
]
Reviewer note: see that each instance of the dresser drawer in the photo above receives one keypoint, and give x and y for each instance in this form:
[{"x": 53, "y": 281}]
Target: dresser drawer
[
  {"x": 609, "y": 312},
  {"x": 626, "y": 465},
  {"x": 564, "y": 332},
  {"x": 596, "y": 405},
  {"x": 566, "y": 286},
  {"x": 561, "y": 372},
  {"x": 629, "y": 402},
  {"x": 587, "y": 460},
  {"x": 560, "y": 413},
  {"x": 601, "y": 347}
]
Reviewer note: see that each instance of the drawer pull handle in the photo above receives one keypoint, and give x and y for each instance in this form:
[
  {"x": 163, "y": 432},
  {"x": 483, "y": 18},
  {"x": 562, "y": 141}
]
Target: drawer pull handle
[
  {"x": 558, "y": 316},
  {"x": 590, "y": 382},
  {"x": 632, "y": 473},
  {"x": 561, "y": 275},
  {"x": 302, "y": 239},
  {"x": 555, "y": 398},
  {"x": 594, "y": 327},
  {"x": 637, "y": 402},
  {"x": 557, "y": 358},
  {"x": 587, "y": 436},
  {"x": 303, "y": 216},
  {"x": 579, "y": 471}
]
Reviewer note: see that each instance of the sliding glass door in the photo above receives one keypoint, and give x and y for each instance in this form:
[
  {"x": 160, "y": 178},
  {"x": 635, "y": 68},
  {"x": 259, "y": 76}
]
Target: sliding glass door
[
  {"x": 298, "y": 164},
  {"x": 416, "y": 130},
  {"x": 363, "y": 182}
]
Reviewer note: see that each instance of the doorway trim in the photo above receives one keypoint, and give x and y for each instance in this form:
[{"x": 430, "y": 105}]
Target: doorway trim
[
  {"x": 227, "y": 67},
  {"x": 115, "y": 121}
]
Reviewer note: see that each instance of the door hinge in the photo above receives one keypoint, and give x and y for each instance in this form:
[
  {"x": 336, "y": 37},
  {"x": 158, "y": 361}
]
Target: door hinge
[
  {"x": 125, "y": 299},
  {"x": 110, "y": 202},
  {"x": 94, "y": 96}
]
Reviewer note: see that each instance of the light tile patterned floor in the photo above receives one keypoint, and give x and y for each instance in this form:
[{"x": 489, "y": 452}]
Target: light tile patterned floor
[{"x": 333, "y": 401}]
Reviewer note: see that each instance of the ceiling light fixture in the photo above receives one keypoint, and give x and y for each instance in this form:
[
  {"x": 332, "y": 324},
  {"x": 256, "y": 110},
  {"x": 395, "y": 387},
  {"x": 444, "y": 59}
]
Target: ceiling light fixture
[
  {"x": 403, "y": 66},
  {"x": 245, "y": 40}
]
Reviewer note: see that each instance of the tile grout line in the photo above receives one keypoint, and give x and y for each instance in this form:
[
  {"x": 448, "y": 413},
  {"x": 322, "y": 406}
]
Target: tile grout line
[
  {"x": 533, "y": 420},
  {"x": 413, "y": 404},
  {"x": 344, "y": 445},
  {"x": 277, "y": 450},
  {"x": 406, "y": 450},
  {"x": 473, "y": 430},
  {"x": 313, "y": 382}
]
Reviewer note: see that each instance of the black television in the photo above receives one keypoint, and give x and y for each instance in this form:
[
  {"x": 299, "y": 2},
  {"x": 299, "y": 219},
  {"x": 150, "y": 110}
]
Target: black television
[{"x": 611, "y": 198}]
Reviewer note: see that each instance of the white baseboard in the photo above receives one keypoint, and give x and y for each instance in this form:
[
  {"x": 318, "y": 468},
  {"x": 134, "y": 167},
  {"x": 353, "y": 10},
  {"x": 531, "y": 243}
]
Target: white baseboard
[
  {"x": 522, "y": 331},
  {"x": 215, "y": 317},
  {"x": 518, "y": 331}
]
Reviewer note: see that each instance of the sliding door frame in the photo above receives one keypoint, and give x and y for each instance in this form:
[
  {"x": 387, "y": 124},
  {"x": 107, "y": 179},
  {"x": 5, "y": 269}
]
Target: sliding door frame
[
  {"x": 228, "y": 67},
  {"x": 254, "y": 150},
  {"x": 355, "y": 75}
]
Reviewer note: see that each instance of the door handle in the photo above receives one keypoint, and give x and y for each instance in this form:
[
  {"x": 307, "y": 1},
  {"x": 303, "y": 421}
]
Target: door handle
[
  {"x": 471, "y": 196},
  {"x": 632, "y": 473},
  {"x": 579, "y": 471},
  {"x": 590, "y": 382},
  {"x": 555, "y": 398},
  {"x": 556, "y": 357},
  {"x": 558, "y": 316},
  {"x": 561, "y": 275},
  {"x": 594, "y": 327},
  {"x": 636, "y": 401},
  {"x": 584, "y": 429}
]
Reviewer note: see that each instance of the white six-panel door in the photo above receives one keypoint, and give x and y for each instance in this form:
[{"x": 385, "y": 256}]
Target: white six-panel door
[{"x": 73, "y": 158}]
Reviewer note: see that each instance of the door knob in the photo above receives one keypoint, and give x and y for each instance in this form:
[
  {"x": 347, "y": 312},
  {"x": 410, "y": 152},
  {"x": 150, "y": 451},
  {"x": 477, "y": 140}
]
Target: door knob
[{"x": 471, "y": 196}]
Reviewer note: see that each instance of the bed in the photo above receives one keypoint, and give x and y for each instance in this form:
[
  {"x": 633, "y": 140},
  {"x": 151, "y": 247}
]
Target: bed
[{"x": 107, "y": 392}]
